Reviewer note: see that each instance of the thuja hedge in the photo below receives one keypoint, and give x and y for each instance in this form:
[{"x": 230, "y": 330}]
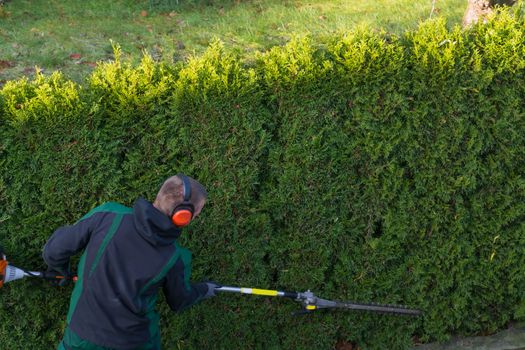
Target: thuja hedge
[{"x": 371, "y": 167}]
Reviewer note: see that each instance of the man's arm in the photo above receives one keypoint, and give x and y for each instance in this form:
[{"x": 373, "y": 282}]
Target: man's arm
[
  {"x": 66, "y": 242},
  {"x": 179, "y": 292}
]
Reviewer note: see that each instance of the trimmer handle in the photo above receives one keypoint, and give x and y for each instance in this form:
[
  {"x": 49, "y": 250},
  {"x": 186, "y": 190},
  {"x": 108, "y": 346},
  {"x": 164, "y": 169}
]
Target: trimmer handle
[{"x": 53, "y": 276}]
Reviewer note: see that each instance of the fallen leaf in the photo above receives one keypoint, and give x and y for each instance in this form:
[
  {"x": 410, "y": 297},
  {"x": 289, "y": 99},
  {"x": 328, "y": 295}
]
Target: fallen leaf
[
  {"x": 144, "y": 13},
  {"x": 173, "y": 14},
  {"x": 6, "y": 64},
  {"x": 91, "y": 64},
  {"x": 4, "y": 13},
  {"x": 344, "y": 345},
  {"x": 416, "y": 340},
  {"x": 75, "y": 56},
  {"x": 322, "y": 17}
]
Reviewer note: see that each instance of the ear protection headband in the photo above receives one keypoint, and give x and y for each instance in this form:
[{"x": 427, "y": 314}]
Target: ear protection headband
[{"x": 183, "y": 213}]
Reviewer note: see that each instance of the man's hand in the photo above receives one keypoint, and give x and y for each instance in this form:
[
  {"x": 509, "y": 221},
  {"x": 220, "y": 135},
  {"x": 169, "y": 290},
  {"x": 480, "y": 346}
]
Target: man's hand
[
  {"x": 63, "y": 275},
  {"x": 211, "y": 289}
]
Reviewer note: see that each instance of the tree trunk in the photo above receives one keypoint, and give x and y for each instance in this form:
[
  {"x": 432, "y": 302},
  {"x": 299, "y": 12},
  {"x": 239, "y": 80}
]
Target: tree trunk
[{"x": 480, "y": 9}]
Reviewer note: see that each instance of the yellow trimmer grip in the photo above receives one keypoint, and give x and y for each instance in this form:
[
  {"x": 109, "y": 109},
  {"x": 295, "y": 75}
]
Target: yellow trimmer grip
[
  {"x": 255, "y": 291},
  {"x": 267, "y": 292}
]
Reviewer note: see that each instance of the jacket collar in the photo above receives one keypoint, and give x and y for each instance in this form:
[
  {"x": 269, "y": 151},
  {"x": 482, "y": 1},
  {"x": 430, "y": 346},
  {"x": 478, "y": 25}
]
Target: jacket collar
[{"x": 153, "y": 225}]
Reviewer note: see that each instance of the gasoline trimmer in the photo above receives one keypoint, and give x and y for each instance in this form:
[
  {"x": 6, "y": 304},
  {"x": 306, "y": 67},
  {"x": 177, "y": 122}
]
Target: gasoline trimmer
[
  {"x": 311, "y": 302},
  {"x": 9, "y": 273}
]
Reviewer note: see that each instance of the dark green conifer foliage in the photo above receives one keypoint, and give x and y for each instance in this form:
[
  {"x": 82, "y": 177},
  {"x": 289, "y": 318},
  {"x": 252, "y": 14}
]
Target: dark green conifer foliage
[{"x": 370, "y": 167}]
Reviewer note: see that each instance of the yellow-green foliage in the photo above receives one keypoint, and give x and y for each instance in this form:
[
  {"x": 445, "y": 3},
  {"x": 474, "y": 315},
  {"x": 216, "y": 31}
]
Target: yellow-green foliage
[{"x": 371, "y": 168}]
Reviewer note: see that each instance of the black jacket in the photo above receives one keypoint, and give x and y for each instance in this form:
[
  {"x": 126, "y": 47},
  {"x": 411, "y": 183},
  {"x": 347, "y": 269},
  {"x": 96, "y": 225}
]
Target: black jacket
[{"x": 128, "y": 255}]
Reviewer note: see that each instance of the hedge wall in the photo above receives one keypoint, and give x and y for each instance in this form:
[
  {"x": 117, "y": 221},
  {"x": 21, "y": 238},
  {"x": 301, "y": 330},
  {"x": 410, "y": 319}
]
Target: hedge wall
[{"x": 370, "y": 168}]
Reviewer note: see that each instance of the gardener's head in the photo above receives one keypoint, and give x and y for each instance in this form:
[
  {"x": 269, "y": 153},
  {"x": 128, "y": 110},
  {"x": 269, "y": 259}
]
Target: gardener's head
[{"x": 181, "y": 198}]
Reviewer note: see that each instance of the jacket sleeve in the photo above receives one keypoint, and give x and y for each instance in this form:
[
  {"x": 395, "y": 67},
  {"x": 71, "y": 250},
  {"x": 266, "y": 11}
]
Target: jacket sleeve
[
  {"x": 67, "y": 241},
  {"x": 180, "y": 293}
]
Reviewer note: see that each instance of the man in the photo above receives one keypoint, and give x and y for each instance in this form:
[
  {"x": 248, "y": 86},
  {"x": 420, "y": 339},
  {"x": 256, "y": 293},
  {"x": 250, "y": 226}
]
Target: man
[{"x": 129, "y": 254}]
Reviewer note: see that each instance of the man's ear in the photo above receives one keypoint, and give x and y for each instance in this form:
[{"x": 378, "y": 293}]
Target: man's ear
[{"x": 199, "y": 206}]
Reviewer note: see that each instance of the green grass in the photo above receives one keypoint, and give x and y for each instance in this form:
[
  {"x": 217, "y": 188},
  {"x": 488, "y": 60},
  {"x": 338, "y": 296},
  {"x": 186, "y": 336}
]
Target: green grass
[{"x": 51, "y": 34}]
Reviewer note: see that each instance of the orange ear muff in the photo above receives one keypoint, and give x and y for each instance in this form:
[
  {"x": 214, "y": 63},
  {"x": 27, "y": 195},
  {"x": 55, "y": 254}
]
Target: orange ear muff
[
  {"x": 183, "y": 213},
  {"x": 181, "y": 217}
]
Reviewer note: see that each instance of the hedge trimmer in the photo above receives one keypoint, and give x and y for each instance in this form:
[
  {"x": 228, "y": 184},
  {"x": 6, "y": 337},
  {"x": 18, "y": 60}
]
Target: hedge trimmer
[{"x": 309, "y": 300}]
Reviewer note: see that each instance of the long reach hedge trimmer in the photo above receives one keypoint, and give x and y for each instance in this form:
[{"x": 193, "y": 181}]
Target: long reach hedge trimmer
[{"x": 309, "y": 300}]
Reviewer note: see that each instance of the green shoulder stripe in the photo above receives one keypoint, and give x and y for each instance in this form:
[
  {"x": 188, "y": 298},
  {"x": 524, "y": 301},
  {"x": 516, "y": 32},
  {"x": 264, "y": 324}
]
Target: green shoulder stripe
[
  {"x": 110, "y": 207},
  {"x": 109, "y": 235},
  {"x": 164, "y": 270}
]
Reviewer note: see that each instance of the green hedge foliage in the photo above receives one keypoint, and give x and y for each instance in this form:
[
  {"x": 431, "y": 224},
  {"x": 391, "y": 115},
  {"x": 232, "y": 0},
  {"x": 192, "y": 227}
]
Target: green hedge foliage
[{"x": 372, "y": 168}]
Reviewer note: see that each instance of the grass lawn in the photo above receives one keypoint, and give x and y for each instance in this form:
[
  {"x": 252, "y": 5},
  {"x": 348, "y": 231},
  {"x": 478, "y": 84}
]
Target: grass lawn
[{"x": 73, "y": 35}]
